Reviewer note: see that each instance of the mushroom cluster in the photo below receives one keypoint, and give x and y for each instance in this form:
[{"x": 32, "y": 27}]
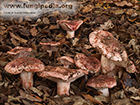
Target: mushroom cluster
[{"x": 113, "y": 55}]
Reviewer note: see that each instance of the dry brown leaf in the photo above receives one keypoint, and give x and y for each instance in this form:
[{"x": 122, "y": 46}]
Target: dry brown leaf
[
  {"x": 54, "y": 27},
  {"x": 11, "y": 98},
  {"x": 46, "y": 20},
  {"x": 124, "y": 101},
  {"x": 74, "y": 42},
  {"x": 119, "y": 11},
  {"x": 87, "y": 8},
  {"x": 135, "y": 98},
  {"x": 18, "y": 38},
  {"x": 33, "y": 31},
  {"x": 24, "y": 32},
  {"x": 133, "y": 90},
  {"x": 24, "y": 95},
  {"x": 15, "y": 42},
  {"x": 107, "y": 25},
  {"x": 123, "y": 3},
  {"x": 35, "y": 90},
  {"x": 90, "y": 98}
]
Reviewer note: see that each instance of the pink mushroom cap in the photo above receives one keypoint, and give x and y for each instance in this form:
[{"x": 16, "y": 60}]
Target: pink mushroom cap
[
  {"x": 26, "y": 66},
  {"x": 20, "y": 51},
  {"x": 63, "y": 77},
  {"x": 50, "y": 46},
  {"x": 91, "y": 64},
  {"x": 66, "y": 61},
  {"x": 102, "y": 83},
  {"x": 70, "y": 25},
  {"x": 108, "y": 45}
]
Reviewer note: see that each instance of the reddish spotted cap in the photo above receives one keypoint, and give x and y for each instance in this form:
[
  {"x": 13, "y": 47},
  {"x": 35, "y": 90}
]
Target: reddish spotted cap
[
  {"x": 28, "y": 64},
  {"x": 102, "y": 81},
  {"x": 91, "y": 64},
  {"x": 108, "y": 45}
]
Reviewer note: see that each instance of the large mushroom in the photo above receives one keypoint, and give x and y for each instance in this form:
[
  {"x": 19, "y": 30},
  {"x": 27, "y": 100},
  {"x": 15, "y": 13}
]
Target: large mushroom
[
  {"x": 91, "y": 64},
  {"x": 26, "y": 66},
  {"x": 63, "y": 77},
  {"x": 113, "y": 52},
  {"x": 18, "y": 52},
  {"x": 70, "y": 26},
  {"x": 102, "y": 83},
  {"x": 50, "y": 46},
  {"x": 66, "y": 61}
]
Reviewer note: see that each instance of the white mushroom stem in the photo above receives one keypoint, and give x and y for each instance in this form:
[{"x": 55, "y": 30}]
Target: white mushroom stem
[
  {"x": 63, "y": 88},
  {"x": 107, "y": 65},
  {"x": 105, "y": 91},
  {"x": 71, "y": 33},
  {"x": 26, "y": 79},
  {"x": 50, "y": 52}
]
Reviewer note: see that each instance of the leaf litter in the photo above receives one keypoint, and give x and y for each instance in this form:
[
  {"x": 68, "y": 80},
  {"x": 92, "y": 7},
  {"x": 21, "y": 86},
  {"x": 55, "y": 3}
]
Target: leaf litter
[{"x": 121, "y": 18}]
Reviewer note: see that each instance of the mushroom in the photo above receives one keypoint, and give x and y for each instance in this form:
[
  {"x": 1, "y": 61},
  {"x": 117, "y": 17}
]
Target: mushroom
[
  {"x": 26, "y": 66},
  {"x": 91, "y": 64},
  {"x": 70, "y": 26},
  {"x": 63, "y": 77},
  {"x": 18, "y": 52},
  {"x": 102, "y": 83},
  {"x": 66, "y": 61},
  {"x": 50, "y": 46},
  {"x": 113, "y": 52}
]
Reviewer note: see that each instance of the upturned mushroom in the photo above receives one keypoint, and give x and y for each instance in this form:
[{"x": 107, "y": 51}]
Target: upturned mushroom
[
  {"x": 102, "y": 83},
  {"x": 113, "y": 52},
  {"x": 18, "y": 52},
  {"x": 70, "y": 26},
  {"x": 63, "y": 77},
  {"x": 66, "y": 61},
  {"x": 91, "y": 64},
  {"x": 26, "y": 66},
  {"x": 50, "y": 46}
]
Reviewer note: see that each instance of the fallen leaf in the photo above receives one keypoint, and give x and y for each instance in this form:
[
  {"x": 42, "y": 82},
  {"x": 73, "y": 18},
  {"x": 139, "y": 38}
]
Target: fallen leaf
[
  {"x": 106, "y": 26},
  {"x": 54, "y": 27},
  {"x": 35, "y": 90},
  {"x": 24, "y": 95},
  {"x": 46, "y": 20},
  {"x": 90, "y": 98},
  {"x": 135, "y": 98},
  {"x": 87, "y": 8},
  {"x": 74, "y": 42},
  {"x": 11, "y": 98},
  {"x": 123, "y": 3},
  {"x": 124, "y": 101},
  {"x": 18, "y": 38},
  {"x": 33, "y": 31}
]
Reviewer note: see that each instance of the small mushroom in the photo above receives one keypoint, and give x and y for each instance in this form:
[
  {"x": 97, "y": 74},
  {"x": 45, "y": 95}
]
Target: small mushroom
[
  {"x": 26, "y": 66},
  {"x": 113, "y": 52},
  {"x": 63, "y": 77},
  {"x": 50, "y": 46},
  {"x": 91, "y": 64},
  {"x": 102, "y": 83},
  {"x": 66, "y": 61},
  {"x": 70, "y": 26},
  {"x": 18, "y": 52}
]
